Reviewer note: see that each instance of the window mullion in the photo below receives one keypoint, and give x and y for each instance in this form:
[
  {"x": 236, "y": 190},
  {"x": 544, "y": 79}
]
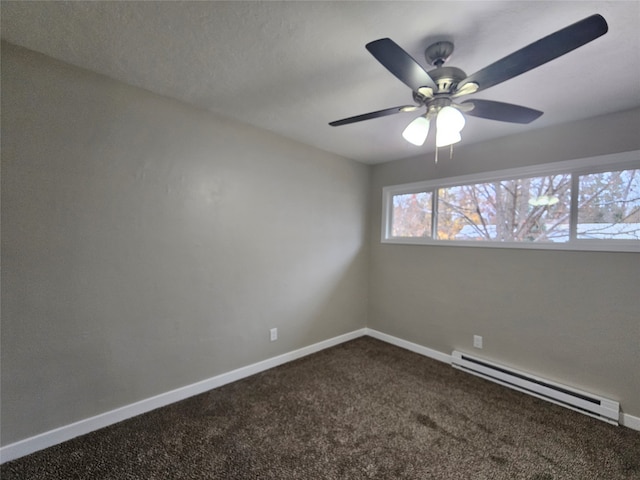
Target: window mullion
[
  {"x": 434, "y": 213},
  {"x": 573, "y": 209}
]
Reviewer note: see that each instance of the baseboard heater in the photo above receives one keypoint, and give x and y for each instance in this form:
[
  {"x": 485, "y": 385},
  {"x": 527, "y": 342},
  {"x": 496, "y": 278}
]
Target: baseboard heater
[{"x": 583, "y": 402}]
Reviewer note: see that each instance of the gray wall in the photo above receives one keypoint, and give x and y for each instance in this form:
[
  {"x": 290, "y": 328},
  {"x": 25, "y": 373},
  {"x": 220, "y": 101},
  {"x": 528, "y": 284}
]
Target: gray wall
[
  {"x": 147, "y": 245},
  {"x": 565, "y": 315}
]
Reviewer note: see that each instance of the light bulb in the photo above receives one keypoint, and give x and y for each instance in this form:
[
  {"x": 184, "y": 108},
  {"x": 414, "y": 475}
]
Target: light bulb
[{"x": 417, "y": 131}]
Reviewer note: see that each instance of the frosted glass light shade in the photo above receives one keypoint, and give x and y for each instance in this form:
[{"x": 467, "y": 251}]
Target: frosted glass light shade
[
  {"x": 417, "y": 131},
  {"x": 450, "y": 118},
  {"x": 449, "y": 124},
  {"x": 444, "y": 138}
]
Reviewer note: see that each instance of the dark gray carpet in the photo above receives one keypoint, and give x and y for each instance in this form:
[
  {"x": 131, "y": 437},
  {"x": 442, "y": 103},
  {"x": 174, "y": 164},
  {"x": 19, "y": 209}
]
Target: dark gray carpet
[{"x": 364, "y": 409}]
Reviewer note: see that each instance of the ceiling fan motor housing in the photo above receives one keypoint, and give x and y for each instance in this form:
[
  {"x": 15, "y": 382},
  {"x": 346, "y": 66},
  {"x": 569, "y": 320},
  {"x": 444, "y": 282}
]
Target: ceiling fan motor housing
[{"x": 447, "y": 78}]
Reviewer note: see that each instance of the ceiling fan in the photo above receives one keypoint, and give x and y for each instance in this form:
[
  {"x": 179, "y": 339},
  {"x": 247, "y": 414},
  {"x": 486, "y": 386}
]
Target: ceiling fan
[{"x": 436, "y": 89}]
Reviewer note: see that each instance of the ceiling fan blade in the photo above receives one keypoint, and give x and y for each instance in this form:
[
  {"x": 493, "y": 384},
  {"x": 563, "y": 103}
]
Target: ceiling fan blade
[
  {"x": 504, "y": 112},
  {"x": 401, "y": 64},
  {"x": 540, "y": 52},
  {"x": 379, "y": 113}
]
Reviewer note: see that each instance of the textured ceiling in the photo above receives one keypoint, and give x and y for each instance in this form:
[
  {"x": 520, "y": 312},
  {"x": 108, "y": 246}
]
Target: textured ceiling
[{"x": 292, "y": 67}]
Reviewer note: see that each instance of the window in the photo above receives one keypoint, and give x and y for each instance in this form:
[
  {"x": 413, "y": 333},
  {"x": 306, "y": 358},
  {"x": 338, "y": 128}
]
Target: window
[
  {"x": 609, "y": 205},
  {"x": 412, "y": 215},
  {"x": 534, "y": 209},
  {"x": 567, "y": 205}
]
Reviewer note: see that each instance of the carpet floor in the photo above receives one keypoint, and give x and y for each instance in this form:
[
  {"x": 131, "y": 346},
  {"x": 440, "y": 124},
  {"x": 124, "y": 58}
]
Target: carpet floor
[{"x": 364, "y": 409}]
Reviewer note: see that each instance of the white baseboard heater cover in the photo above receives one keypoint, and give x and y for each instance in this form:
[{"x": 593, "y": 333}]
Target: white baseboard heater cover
[{"x": 583, "y": 402}]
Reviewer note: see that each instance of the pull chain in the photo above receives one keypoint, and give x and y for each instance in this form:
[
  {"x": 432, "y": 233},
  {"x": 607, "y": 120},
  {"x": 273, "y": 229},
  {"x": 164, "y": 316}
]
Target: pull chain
[{"x": 450, "y": 153}]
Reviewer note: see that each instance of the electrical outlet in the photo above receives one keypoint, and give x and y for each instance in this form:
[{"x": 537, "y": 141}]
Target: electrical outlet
[
  {"x": 477, "y": 341},
  {"x": 274, "y": 334}
]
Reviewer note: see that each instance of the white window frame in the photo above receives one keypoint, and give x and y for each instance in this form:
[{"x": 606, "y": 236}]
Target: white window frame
[{"x": 602, "y": 163}]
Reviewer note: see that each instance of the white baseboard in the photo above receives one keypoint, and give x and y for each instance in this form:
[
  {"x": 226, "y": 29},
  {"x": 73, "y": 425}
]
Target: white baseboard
[
  {"x": 82, "y": 427},
  {"x": 414, "y": 347},
  {"x": 630, "y": 421}
]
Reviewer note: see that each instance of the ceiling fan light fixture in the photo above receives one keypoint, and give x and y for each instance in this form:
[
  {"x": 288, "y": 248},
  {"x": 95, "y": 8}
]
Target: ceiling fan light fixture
[
  {"x": 449, "y": 124},
  {"x": 417, "y": 131},
  {"x": 544, "y": 201}
]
